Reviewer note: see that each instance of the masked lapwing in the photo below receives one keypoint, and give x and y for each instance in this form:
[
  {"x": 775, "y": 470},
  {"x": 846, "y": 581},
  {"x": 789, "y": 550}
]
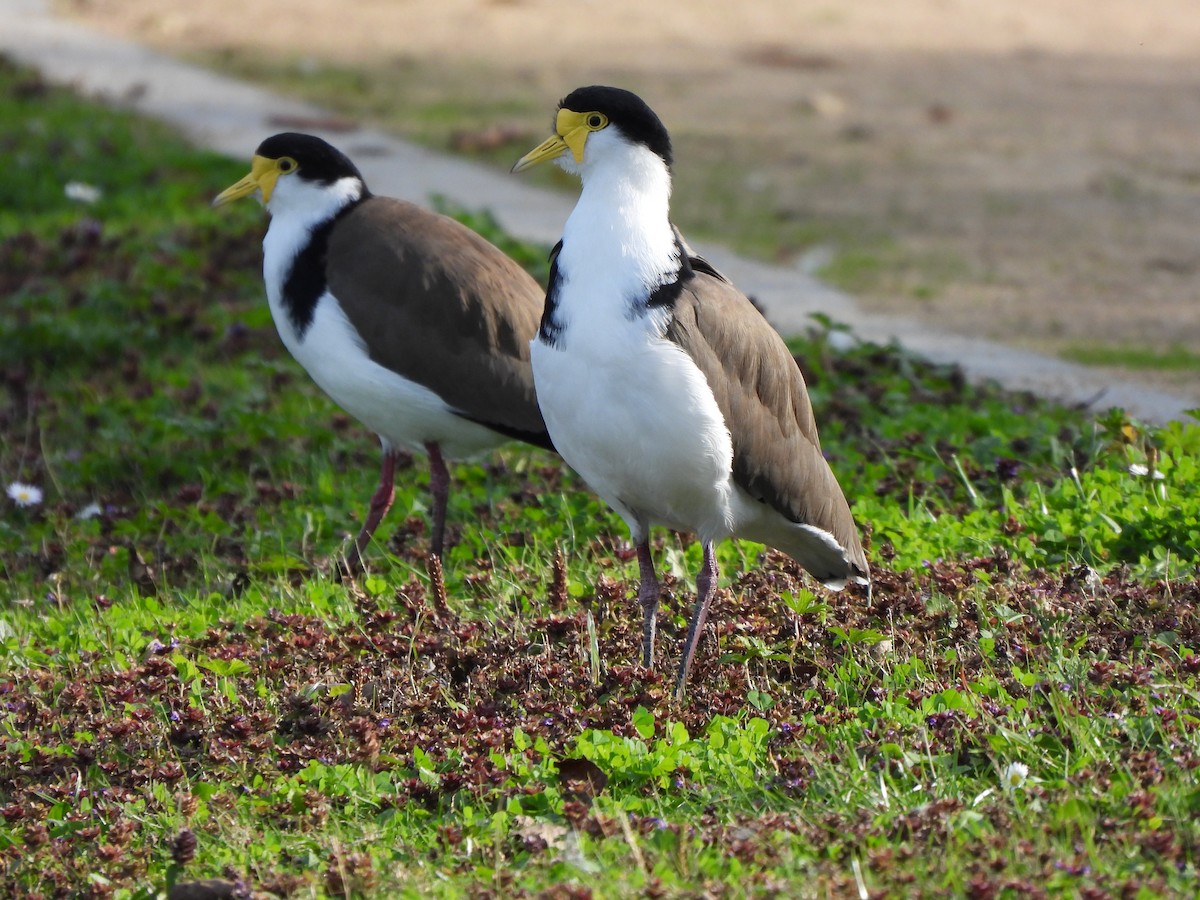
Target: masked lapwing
[
  {"x": 410, "y": 321},
  {"x": 661, "y": 383}
]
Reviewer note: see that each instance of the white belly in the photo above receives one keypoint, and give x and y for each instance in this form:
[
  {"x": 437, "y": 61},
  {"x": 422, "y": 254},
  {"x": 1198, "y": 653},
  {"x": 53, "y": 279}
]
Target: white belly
[
  {"x": 643, "y": 429},
  {"x": 403, "y": 413}
]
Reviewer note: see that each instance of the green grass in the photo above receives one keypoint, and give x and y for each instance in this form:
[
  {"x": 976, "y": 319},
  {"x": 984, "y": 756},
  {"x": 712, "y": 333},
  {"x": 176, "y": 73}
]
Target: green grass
[
  {"x": 185, "y": 661},
  {"x": 880, "y": 267},
  {"x": 1175, "y": 358}
]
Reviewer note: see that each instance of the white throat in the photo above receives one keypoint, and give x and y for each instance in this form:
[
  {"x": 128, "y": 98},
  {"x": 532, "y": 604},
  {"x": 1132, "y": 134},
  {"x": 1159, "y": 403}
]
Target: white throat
[
  {"x": 305, "y": 203},
  {"x": 296, "y": 207},
  {"x": 618, "y": 240}
]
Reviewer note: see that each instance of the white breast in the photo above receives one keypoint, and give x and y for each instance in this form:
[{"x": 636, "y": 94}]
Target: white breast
[{"x": 642, "y": 428}]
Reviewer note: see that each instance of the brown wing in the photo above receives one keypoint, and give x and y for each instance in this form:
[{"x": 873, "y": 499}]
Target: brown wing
[
  {"x": 438, "y": 304},
  {"x": 759, "y": 389}
]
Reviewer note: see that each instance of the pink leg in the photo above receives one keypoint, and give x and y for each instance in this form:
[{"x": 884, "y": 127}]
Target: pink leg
[
  {"x": 439, "y": 487},
  {"x": 706, "y": 585},
  {"x": 648, "y": 598},
  {"x": 381, "y": 502}
]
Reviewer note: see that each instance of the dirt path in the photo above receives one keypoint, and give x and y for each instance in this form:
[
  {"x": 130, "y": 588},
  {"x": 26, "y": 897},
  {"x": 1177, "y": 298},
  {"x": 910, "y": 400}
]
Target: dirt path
[{"x": 1027, "y": 171}]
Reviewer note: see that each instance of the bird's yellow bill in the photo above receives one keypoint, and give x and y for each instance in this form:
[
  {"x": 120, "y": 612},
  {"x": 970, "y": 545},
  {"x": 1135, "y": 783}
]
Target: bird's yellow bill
[
  {"x": 551, "y": 148},
  {"x": 263, "y": 175},
  {"x": 571, "y": 133}
]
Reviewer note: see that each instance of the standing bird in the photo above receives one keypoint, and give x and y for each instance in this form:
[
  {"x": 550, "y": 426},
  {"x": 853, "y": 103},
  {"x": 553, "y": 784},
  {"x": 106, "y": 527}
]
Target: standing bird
[
  {"x": 660, "y": 382},
  {"x": 410, "y": 321}
]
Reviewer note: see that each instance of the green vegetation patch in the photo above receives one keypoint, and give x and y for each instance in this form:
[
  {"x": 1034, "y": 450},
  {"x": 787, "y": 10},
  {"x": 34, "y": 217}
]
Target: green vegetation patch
[
  {"x": 188, "y": 690},
  {"x": 1173, "y": 358}
]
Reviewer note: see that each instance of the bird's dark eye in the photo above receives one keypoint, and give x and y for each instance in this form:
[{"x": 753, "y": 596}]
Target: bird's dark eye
[
  {"x": 286, "y": 165},
  {"x": 596, "y": 121}
]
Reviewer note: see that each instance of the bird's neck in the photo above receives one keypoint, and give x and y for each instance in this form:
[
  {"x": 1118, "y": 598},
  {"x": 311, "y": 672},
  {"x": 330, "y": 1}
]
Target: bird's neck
[
  {"x": 295, "y": 246},
  {"x": 300, "y": 205},
  {"x": 619, "y": 234}
]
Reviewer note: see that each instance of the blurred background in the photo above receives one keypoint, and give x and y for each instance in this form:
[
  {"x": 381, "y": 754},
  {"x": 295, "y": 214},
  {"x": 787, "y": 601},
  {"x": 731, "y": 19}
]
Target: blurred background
[{"x": 1027, "y": 171}]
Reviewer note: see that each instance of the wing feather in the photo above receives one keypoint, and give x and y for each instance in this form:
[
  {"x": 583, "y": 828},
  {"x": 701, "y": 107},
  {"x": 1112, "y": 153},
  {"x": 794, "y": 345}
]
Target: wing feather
[
  {"x": 760, "y": 391},
  {"x": 438, "y": 304}
]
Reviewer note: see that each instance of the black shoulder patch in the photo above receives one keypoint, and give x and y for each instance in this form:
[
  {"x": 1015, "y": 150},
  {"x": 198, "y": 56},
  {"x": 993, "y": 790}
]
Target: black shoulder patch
[
  {"x": 700, "y": 264},
  {"x": 551, "y": 328},
  {"x": 667, "y": 293},
  {"x": 306, "y": 281}
]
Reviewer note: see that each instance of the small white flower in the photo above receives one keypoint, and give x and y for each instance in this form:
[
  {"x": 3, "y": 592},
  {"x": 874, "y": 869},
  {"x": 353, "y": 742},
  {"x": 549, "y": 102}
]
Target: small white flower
[
  {"x": 1014, "y": 775},
  {"x": 24, "y": 494},
  {"x": 89, "y": 512},
  {"x": 83, "y": 193},
  {"x": 1142, "y": 471}
]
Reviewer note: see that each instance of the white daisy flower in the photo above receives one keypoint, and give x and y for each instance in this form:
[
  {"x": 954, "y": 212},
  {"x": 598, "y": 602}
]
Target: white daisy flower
[
  {"x": 1014, "y": 775},
  {"x": 24, "y": 494}
]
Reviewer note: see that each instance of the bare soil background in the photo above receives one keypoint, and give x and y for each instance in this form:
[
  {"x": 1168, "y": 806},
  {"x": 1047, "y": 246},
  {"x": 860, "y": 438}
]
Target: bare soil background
[{"x": 1027, "y": 170}]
